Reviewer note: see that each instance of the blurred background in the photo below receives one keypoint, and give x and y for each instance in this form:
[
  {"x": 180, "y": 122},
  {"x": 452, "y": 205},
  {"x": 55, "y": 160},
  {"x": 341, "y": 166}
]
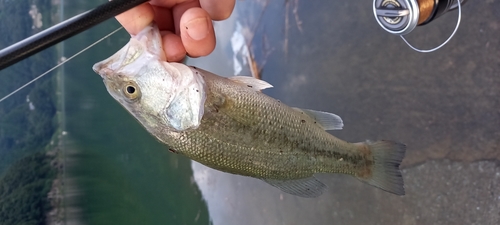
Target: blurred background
[{"x": 69, "y": 154}]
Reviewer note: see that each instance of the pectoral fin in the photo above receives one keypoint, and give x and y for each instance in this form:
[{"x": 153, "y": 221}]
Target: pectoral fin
[
  {"x": 308, "y": 187},
  {"x": 325, "y": 120},
  {"x": 251, "y": 82}
]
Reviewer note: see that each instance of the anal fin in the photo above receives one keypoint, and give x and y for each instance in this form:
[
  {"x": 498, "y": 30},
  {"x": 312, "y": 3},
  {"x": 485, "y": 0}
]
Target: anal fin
[{"x": 309, "y": 187}]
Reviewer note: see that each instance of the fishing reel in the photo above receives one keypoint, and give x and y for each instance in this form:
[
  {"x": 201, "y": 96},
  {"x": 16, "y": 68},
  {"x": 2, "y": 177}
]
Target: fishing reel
[{"x": 400, "y": 17}]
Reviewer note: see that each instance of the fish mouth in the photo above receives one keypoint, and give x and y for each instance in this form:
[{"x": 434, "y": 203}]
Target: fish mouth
[
  {"x": 106, "y": 75},
  {"x": 101, "y": 69},
  {"x": 97, "y": 69}
]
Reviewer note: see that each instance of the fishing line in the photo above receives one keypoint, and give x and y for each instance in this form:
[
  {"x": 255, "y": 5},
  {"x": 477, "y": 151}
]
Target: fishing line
[
  {"x": 445, "y": 42},
  {"x": 63, "y": 30},
  {"x": 60, "y": 64}
]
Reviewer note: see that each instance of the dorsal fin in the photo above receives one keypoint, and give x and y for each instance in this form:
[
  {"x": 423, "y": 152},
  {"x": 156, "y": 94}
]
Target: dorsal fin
[
  {"x": 325, "y": 120},
  {"x": 251, "y": 82}
]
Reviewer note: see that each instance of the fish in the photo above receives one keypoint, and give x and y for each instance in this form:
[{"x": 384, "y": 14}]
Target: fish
[{"x": 228, "y": 124}]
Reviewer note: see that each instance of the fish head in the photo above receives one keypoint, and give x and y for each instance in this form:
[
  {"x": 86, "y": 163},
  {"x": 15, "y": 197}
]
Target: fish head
[{"x": 160, "y": 95}]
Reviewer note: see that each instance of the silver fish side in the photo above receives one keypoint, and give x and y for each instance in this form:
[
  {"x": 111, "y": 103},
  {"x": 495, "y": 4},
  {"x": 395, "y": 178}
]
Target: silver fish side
[{"x": 229, "y": 125}]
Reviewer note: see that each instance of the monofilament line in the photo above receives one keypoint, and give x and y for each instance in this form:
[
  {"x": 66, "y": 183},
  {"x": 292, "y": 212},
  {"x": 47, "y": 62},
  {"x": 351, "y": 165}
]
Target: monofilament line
[
  {"x": 58, "y": 65},
  {"x": 445, "y": 42}
]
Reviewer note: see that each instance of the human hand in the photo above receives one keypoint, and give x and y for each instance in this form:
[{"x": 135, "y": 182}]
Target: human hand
[{"x": 185, "y": 25}]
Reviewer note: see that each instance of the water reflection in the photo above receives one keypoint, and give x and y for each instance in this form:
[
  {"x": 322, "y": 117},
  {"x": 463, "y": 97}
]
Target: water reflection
[
  {"x": 117, "y": 172},
  {"x": 442, "y": 105}
]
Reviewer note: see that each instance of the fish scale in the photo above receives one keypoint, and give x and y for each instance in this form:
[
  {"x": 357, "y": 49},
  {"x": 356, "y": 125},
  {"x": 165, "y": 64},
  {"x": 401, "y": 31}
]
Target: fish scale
[
  {"x": 229, "y": 125},
  {"x": 271, "y": 140}
]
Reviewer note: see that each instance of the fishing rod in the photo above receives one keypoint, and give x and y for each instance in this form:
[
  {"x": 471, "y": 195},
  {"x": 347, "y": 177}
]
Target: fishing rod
[{"x": 63, "y": 31}]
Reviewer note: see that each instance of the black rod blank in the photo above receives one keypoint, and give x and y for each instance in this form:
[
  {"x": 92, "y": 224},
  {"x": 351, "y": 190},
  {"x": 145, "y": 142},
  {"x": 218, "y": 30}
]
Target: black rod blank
[{"x": 63, "y": 31}]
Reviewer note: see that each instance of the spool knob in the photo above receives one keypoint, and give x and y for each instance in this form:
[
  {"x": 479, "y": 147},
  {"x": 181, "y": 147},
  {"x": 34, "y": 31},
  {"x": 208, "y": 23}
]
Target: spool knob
[{"x": 396, "y": 16}]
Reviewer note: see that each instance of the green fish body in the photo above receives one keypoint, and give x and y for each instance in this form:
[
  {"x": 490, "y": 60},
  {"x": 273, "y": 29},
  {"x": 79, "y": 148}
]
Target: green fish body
[{"x": 229, "y": 125}]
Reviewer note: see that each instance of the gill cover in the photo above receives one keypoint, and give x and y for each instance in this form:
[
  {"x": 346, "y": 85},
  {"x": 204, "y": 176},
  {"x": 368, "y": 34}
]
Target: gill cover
[{"x": 186, "y": 108}]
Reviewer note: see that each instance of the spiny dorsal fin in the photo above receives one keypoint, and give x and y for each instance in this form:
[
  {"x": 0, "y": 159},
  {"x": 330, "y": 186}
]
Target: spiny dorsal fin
[
  {"x": 325, "y": 120},
  {"x": 308, "y": 187},
  {"x": 251, "y": 82}
]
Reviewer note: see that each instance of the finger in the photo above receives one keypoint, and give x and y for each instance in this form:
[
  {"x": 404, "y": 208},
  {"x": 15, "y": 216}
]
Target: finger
[
  {"x": 218, "y": 9},
  {"x": 172, "y": 45},
  {"x": 197, "y": 32},
  {"x": 163, "y": 18},
  {"x": 179, "y": 10},
  {"x": 137, "y": 18}
]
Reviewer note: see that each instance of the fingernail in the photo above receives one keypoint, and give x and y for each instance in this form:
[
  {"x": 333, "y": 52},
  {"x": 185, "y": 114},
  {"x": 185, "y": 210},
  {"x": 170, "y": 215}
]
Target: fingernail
[{"x": 197, "y": 29}]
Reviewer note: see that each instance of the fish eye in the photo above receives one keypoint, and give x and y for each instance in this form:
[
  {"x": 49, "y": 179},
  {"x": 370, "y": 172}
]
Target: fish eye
[{"x": 131, "y": 90}]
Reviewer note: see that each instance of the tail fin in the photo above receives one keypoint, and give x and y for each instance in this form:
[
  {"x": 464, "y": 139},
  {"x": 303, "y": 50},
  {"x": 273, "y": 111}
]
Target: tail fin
[{"x": 387, "y": 155}]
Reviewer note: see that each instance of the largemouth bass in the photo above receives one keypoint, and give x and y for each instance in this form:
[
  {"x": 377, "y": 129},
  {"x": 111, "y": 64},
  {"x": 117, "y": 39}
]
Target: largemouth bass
[{"x": 229, "y": 125}]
